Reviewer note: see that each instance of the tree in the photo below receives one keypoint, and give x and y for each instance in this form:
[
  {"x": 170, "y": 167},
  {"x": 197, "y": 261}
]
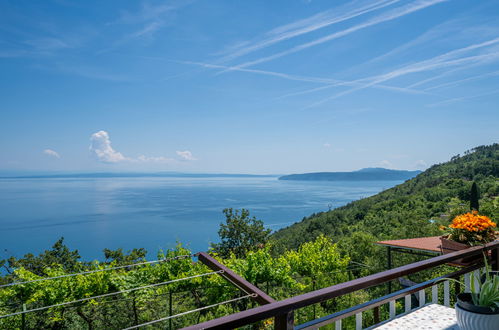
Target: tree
[
  {"x": 121, "y": 258},
  {"x": 240, "y": 234},
  {"x": 474, "y": 196},
  {"x": 59, "y": 255}
]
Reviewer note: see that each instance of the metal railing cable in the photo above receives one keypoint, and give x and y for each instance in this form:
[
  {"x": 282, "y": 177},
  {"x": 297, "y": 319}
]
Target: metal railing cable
[
  {"x": 191, "y": 311},
  {"x": 98, "y": 270},
  {"x": 130, "y": 299},
  {"x": 110, "y": 294},
  {"x": 360, "y": 264},
  {"x": 114, "y": 301}
]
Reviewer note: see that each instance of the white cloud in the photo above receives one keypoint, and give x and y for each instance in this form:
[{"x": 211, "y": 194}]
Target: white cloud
[
  {"x": 101, "y": 148},
  {"x": 186, "y": 155},
  {"x": 51, "y": 153},
  {"x": 327, "y": 145}
]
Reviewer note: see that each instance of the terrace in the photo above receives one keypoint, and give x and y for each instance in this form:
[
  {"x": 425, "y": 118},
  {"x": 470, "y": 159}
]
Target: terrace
[{"x": 435, "y": 290}]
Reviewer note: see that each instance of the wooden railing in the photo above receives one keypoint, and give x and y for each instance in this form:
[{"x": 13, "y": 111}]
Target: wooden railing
[
  {"x": 390, "y": 299},
  {"x": 283, "y": 310}
]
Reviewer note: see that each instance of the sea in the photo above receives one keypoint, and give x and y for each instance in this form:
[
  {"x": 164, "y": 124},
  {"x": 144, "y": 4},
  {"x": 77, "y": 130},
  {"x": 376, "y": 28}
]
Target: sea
[{"x": 155, "y": 213}]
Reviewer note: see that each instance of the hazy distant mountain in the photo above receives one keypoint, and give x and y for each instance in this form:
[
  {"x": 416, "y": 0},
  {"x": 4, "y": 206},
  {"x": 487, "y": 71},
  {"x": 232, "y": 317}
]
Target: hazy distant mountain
[
  {"x": 127, "y": 175},
  {"x": 365, "y": 174}
]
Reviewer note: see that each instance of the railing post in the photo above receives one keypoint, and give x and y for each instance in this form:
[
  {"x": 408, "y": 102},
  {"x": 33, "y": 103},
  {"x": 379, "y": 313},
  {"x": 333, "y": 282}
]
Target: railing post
[
  {"x": 392, "y": 310},
  {"x": 407, "y": 303},
  {"x": 434, "y": 294},
  {"x": 457, "y": 288},
  {"x": 446, "y": 294},
  {"x": 389, "y": 265},
  {"x": 495, "y": 259},
  {"x": 285, "y": 321},
  {"x": 467, "y": 282},
  {"x": 170, "y": 309},
  {"x": 313, "y": 306},
  {"x": 422, "y": 298},
  {"x": 377, "y": 315},
  {"x": 23, "y": 318},
  {"x": 358, "y": 321}
]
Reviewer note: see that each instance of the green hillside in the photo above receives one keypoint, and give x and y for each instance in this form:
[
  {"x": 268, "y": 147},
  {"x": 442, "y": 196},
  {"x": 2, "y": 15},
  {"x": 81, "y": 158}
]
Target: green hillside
[{"x": 414, "y": 208}]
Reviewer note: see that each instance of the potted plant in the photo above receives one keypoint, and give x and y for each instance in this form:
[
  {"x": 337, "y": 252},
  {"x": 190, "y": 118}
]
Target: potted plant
[
  {"x": 479, "y": 309},
  {"x": 467, "y": 230}
]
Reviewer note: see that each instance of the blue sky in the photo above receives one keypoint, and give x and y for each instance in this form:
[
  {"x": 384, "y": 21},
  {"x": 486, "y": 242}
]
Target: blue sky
[{"x": 245, "y": 86}]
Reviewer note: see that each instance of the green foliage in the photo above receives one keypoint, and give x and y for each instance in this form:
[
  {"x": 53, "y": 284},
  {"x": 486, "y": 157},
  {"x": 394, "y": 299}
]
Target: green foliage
[
  {"x": 240, "y": 234},
  {"x": 316, "y": 258},
  {"x": 485, "y": 294}
]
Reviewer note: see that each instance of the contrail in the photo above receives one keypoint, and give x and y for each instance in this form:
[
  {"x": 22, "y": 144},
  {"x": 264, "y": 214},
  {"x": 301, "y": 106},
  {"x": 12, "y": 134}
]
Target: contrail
[
  {"x": 393, "y": 14},
  {"x": 313, "y": 23}
]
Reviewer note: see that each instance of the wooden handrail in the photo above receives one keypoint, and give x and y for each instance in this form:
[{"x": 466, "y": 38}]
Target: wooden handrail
[{"x": 289, "y": 305}]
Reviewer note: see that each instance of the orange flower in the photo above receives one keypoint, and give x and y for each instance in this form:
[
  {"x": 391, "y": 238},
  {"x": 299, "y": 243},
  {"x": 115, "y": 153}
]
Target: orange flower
[{"x": 472, "y": 222}]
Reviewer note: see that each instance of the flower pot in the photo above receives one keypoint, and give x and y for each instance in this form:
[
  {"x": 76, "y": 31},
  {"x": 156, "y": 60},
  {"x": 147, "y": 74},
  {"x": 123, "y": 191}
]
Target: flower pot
[
  {"x": 471, "y": 317},
  {"x": 465, "y": 301},
  {"x": 448, "y": 246}
]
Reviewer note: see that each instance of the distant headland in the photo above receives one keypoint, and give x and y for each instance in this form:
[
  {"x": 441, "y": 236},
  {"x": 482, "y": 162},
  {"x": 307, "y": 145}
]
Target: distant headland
[{"x": 365, "y": 174}]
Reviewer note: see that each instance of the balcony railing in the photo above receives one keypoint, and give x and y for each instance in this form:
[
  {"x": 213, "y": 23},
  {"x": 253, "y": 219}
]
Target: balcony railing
[{"x": 283, "y": 311}]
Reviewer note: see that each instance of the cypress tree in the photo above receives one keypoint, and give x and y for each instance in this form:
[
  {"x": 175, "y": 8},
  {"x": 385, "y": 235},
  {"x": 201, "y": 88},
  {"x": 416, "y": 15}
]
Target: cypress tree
[{"x": 474, "y": 196}]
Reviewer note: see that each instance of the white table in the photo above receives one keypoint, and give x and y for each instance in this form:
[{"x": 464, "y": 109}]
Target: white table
[{"x": 431, "y": 316}]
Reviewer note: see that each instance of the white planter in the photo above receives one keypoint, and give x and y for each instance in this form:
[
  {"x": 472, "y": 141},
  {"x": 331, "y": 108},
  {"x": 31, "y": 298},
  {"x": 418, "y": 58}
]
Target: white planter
[{"x": 474, "y": 321}]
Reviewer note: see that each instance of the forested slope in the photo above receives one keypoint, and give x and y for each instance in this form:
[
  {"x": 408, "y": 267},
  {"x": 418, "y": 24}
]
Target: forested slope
[{"x": 411, "y": 209}]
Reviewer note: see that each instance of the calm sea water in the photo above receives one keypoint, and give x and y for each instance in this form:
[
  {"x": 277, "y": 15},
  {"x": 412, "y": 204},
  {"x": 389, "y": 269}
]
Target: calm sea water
[{"x": 154, "y": 213}]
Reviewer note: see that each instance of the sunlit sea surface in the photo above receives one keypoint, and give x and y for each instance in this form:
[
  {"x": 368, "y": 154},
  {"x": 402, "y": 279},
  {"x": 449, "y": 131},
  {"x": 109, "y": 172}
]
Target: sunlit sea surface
[{"x": 153, "y": 213}]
